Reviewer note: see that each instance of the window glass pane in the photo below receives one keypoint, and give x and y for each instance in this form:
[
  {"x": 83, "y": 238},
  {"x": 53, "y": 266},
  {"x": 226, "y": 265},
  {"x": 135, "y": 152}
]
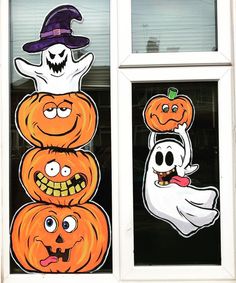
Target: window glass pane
[
  {"x": 173, "y": 26},
  {"x": 158, "y": 238},
  {"x": 26, "y": 22}
]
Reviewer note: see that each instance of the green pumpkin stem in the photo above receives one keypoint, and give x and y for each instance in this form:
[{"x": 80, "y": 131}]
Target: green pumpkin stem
[{"x": 172, "y": 93}]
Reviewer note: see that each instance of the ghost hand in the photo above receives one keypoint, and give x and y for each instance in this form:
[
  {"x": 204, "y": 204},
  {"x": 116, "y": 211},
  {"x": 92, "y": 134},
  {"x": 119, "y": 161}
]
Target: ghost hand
[{"x": 181, "y": 129}]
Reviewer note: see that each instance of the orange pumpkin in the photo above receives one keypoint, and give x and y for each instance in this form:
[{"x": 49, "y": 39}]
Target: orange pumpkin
[
  {"x": 59, "y": 177},
  {"x": 66, "y": 120},
  {"x": 50, "y": 238},
  {"x": 164, "y": 113}
]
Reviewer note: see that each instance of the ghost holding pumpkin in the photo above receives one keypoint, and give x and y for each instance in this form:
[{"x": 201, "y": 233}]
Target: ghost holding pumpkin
[{"x": 167, "y": 191}]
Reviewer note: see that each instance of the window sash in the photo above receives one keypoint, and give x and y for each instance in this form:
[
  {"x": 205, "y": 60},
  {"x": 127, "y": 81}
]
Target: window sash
[
  {"x": 126, "y": 78},
  {"x": 220, "y": 57}
]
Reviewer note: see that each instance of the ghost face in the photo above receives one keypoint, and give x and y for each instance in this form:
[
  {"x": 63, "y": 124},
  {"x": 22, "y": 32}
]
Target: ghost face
[
  {"x": 56, "y": 58},
  {"x": 164, "y": 160}
]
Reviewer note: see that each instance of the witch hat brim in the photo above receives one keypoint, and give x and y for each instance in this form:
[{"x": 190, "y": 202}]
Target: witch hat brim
[
  {"x": 56, "y": 29},
  {"x": 72, "y": 42}
]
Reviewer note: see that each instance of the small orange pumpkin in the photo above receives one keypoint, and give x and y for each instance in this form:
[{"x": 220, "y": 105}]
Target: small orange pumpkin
[
  {"x": 50, "y": 238},
  {"x": 59, "y": 177},
  {"x": 66, "y": 120},
  {"x": 164, "y": 113}
]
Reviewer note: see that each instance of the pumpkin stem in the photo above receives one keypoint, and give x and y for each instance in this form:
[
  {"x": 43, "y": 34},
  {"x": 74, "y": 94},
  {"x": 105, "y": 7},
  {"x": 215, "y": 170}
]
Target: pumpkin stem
[{"x": 172, "y": 93}]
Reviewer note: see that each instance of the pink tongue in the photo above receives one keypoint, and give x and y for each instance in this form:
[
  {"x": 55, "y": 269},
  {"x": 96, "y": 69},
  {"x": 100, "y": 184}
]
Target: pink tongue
[
  {"x": 51, "y": 259},
  {"x": 181, "y": 181}
]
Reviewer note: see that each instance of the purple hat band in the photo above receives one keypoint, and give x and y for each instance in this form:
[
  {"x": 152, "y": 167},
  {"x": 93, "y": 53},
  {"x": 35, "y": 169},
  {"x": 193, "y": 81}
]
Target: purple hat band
[{"x": 56, "y": 30}]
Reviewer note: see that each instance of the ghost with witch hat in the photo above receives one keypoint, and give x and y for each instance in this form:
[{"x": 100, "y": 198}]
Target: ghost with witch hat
[{"x": 58, "y": 72}]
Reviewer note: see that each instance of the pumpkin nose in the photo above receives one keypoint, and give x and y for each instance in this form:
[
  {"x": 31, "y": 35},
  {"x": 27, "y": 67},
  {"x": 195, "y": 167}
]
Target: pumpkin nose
[{"x": 59, "y": 239}]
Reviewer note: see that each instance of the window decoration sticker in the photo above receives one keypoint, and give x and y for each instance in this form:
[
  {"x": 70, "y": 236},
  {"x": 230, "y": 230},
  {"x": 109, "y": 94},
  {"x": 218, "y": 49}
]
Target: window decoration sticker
[
  {"x": 63, "y": 229},
  {"x": 58, "y": 72},
  {"x": 167, "y": 190}
]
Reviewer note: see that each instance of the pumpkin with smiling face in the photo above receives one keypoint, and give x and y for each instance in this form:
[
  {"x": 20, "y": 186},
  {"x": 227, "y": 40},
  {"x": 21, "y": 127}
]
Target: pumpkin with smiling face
[
  {"x": 49, "y": 238},
  {"x": 48, "y": 120},
  {"x": 164, "y": 113},
  {"x": 59, "y": 177}
]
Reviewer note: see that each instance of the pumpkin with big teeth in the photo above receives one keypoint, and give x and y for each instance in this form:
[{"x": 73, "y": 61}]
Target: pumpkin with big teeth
[
  {"x": 65, "y": 121},
  {"x": 50, "y": 238},
  {"x": 59, "y": 177}
]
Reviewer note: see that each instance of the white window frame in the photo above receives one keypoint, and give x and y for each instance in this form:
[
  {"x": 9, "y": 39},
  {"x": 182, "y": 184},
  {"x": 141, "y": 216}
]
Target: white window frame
[
  {"x": 122, "y": 76},
  {"x": 223, "y": 76},
  {"x": 129, "y": 59}
]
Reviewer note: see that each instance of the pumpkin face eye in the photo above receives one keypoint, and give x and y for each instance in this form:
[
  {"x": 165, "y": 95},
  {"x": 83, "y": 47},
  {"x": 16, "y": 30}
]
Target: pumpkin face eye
[
  {"x": 174, "y": 108},
  {"x": 50, "y": 224},
  {"x": 65, "y": 171},
  {"x": 52, "y": 168},
  {"x": 63, "y": 112},
  {"x": 165, "y": 108},
  {"x": 50, "y": 113},
  {"x": 50, "y": 110},
  {"x": 69, "y": 224}
]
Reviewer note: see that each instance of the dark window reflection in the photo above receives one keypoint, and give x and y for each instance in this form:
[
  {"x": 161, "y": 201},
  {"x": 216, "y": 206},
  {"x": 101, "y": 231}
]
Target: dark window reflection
[{"x": 155, "y": 241}]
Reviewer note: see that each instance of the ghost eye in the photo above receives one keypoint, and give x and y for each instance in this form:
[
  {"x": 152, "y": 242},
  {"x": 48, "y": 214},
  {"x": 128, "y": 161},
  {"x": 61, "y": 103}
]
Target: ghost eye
[
  {"x": 165, "y": 108},
  {"x": 169, "y": 158},
  {"x": 50, "y": 224},
  {"x": 159, "y": 158},
  {"x": 63, "y": 112},
  {"x": 50, "y": 113},
  {"x": 62, "y": 53},
  {"x": 69, "y": 224},
  {"x": 174, "y": 108},
  {"x": 52, "y": 56},
  {"x": 52, "y": 168}
]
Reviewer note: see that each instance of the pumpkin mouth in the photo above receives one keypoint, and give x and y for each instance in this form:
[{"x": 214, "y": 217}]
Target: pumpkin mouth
[
  {"x": 168, "y": 120},
  {"x": 54, "y": 257},
  {"x": 60, "y": 189},
  {"x": 164, "y": 178},
  {"x": 60, "y": 134}
]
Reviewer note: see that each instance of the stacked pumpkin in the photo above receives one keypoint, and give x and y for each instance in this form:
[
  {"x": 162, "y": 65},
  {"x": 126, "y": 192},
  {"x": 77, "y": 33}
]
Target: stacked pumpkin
[{"x": 62, "y": 230}]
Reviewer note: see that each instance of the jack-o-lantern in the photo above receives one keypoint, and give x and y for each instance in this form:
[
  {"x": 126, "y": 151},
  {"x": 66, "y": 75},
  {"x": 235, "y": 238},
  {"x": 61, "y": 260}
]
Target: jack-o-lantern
[
  {"x": 50, "y": 238},
  {"x": 164, "y": 113},
  {"x": 48, "y": 120},
  {"x": 59, "y": 177}
]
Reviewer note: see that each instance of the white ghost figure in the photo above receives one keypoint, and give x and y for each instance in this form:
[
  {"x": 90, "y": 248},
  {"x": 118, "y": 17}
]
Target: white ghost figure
[
  {"x": 167, "y": 192},
  {"x": 58, "y": 72}
]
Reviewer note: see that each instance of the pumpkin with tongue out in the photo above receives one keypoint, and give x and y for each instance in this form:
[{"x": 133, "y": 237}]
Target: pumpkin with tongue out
[{"x": 50, "y": 238}]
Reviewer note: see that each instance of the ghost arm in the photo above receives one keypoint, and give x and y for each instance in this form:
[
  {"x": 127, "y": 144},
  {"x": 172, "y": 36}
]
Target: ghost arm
[
  {"x": 151, "y": 140},
  {"x": 25, "y": 68},
  {"x": 82, "y": 66},
  {"x": 186, "y": 166}
]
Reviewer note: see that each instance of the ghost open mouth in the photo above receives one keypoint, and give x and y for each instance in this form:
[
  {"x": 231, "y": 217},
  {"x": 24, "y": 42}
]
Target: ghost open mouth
[
  {"x": 60, "y": 189},
  {"x": 171, "y": 177},
  {"x": 56, "y": 67}
]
